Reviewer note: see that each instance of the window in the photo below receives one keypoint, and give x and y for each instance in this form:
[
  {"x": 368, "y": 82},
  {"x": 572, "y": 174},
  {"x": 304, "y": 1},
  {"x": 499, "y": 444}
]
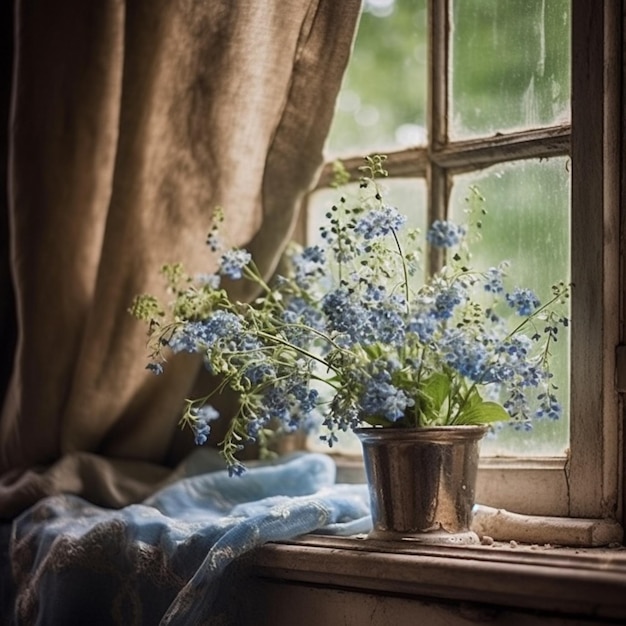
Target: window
[{"x": 522, "y": 100}]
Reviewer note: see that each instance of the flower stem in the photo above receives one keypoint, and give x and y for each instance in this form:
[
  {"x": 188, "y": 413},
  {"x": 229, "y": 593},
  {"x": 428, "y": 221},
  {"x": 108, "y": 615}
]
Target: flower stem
[{"x": 404, "y": 270}]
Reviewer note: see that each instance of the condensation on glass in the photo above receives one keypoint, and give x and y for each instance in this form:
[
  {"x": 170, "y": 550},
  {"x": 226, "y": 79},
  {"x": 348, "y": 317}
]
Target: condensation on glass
[
  {"x": 528, "y": 224},
  {"x": 509, "y": 66},
  {"x": 382, "y": 103}
]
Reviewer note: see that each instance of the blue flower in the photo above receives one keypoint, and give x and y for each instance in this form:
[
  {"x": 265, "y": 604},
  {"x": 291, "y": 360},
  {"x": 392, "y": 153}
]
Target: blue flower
[
  {"x": 201, "y": 432},
  {"x": 390, "y": 350},
  {"x": 259, "y": 372},
  {"x": 443, "y": 234},
  {"x": 155, "y": 368},
  {"x": 309, "y": 264},
  {"x": 465, "y": 353},
  {"x": 381, "y": 398},
  {"x": 232, "y": 263},
  {"x": 375, "y": 293},
  {"x": 493, "y": 280},
  {"x": 300, "y": 313},
  {"x": 549, "y": 407},
  {"x": 197, "y": 336},
  {"x": 446, "y": 301},
  {"x": 344, "y": 416},
  {"x": 524, "y": 301},
  {"x": 517, "y": 346},
  {"x": 387, "y": 324},
  {"x": 424, "y": 325},
  {"x": 236, "y": 469},
  {"x": 379, "y": 222},
  {"x": 516, "y": 405},
  {"x": 346, "y": 315},
  {"x": 185, "y": 339},
  {"x": 200, "y": 425},
  {"x": 289, "y": 401}
]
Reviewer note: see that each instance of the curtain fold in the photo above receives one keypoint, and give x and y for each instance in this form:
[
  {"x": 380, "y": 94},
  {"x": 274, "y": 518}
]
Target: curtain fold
[{"x": 131, "y": 121}]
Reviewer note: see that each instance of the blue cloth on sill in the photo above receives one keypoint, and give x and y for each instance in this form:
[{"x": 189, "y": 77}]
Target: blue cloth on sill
[{"x": 163, "y": 561}]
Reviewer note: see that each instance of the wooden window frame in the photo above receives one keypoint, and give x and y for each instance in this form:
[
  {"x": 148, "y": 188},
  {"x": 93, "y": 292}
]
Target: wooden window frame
[
  {"x": 566, "y": 585},
  {"x": 585, "y": 484}
]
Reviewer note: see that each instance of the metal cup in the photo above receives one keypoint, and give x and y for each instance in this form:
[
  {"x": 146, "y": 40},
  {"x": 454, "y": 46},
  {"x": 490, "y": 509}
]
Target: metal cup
[{"x": 422, "y": 481}]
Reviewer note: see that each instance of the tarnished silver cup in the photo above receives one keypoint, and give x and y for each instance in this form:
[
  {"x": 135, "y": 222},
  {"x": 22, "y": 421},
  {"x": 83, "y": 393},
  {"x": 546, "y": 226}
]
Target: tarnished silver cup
[{"x": 422, "y": 481}]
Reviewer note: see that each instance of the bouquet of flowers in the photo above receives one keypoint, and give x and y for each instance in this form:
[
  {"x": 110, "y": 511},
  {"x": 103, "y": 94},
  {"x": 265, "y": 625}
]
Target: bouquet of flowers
[{"x": 350, "y": 337}]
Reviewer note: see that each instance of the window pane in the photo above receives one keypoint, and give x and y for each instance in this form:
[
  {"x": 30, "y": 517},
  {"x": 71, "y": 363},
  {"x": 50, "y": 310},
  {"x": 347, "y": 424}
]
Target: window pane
[
  {"x": 509, "y": 65},
  {"x": 409, "y": 196},
  {"x": 382, "y": 104},
  {"x": 527, "y": 223}
]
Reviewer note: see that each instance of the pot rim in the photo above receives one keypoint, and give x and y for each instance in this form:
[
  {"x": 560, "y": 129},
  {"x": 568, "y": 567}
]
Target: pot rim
[{"x": 422, "y": 433}]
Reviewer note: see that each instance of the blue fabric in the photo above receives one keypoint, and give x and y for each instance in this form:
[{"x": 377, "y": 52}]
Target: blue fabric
[{"x": 161, "y": 561}]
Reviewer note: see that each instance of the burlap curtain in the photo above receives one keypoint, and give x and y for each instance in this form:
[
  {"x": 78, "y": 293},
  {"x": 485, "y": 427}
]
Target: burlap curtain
[{"x": 130, "y": 120}]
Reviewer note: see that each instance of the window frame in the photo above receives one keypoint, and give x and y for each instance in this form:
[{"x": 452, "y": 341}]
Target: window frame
[{"x": 586, "y": 483}]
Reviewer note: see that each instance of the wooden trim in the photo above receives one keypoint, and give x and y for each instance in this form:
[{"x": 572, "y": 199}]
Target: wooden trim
[
  {"x": 503, "y": 525},
  {"x": 438, "y": 49},
  {"x": 439, "y": 184},
  {"x": 574, "y": 582},
  {"x": 593, "y": 470},
  {"x": 462, "y": 156},
  {"x": 507, "y": 484},
  {"x": 612, "y": 426},
  {"x": 410, "y": 163}
]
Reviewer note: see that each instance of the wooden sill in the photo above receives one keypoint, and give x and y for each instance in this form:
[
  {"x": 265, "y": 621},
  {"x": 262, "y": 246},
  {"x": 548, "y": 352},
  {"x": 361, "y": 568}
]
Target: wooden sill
[{"x": 584, "y": 582}]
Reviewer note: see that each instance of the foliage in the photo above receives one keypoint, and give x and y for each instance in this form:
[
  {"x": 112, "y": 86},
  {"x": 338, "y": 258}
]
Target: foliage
[
  {"x": 345, "y": 338},
  {"x": 509, "y": 68}
]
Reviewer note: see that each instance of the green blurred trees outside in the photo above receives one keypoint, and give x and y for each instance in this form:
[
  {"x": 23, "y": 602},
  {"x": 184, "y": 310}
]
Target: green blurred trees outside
[
  {"x": 385, "y": 84},
  {"x": 509, "y": 70}
]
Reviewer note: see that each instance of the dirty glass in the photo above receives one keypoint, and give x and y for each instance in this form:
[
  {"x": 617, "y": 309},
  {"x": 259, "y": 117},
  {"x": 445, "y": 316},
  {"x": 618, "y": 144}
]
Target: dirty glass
[
  {"x": 526, "y": 223},
  {"x": 408, "y": 195},
  {"x": 509, "y": 66},
  {"x": 382, "y": 103}
]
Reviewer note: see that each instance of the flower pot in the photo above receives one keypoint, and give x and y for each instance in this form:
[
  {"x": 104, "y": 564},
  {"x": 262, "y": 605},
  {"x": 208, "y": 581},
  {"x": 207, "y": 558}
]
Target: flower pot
[{"x": 422, "y": 482}]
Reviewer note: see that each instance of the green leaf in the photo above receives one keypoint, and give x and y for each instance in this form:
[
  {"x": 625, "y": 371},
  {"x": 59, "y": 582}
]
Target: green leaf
[
  {"x": 374, "y": 420},
  {"x": 437, "y": 388},
  {"x": 483, "y": 413},
  {"x": 473, "y": 399}
]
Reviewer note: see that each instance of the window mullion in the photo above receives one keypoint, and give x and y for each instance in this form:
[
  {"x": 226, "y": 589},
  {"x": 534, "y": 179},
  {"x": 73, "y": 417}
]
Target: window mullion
[
  {"x": 438, "y": 194},
  {"x": 438, "y": 41},
  {"x": 438, "y": 176}
]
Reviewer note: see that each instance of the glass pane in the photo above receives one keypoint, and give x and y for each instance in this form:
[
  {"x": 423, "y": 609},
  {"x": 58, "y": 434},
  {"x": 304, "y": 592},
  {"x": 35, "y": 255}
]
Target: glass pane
[
  {"x": 510, "y": 65},
  {"x": 409, "y": 196},
  {"x": 382, "y": 104},
  {"x": 527, "y": 223}
]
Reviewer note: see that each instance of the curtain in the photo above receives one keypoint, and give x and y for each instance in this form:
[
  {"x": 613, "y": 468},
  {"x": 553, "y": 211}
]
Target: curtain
[{"x": 130, "y": 121}]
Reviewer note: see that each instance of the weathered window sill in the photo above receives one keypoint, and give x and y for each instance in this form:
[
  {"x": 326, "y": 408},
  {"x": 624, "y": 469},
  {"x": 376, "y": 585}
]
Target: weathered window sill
[{"x": 588, "y": 583}]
